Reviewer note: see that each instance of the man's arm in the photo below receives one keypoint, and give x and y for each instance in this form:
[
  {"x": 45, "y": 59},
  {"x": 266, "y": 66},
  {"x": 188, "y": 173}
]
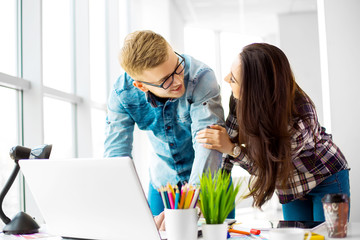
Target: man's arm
[
  {"x": 119, "y": 129},
  {"x": 205, "y": 110}
]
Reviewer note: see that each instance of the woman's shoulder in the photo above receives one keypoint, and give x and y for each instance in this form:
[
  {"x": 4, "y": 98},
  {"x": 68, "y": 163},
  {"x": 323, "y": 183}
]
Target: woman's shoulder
[
  {"x": 304, "y": 105},
  {"x": 304, "y": 109},
  {"x": 305, "y": 118}
]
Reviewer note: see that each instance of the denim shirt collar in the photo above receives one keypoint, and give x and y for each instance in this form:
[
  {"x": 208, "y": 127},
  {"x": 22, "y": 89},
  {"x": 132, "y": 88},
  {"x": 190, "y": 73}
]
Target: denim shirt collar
[
  {"x": 154, "y": 100},
  {"x": 151, "y": 99}
]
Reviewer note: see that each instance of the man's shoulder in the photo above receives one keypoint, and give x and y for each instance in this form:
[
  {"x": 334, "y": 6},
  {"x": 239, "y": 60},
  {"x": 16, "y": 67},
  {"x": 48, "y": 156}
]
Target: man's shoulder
[
  {"x": 195, "y": 66},
  {"x": 199, "y": 76},
  {"x": 123, "y": 83},
  {"x": 198, "y": 73},
  {"x": 124, "y": 88}
]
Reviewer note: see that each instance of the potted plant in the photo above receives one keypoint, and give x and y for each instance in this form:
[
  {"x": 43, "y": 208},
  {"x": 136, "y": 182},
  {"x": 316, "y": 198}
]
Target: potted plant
[{"x": 217, "y": 200}]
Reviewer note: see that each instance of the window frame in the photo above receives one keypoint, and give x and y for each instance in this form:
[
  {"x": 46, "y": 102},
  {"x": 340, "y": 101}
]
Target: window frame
[{"x": 30, "y": 86}]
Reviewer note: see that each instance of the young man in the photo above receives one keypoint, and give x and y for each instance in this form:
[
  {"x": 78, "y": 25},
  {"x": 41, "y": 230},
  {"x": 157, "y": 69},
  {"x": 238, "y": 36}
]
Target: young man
[{"x": 172, "y": 97}]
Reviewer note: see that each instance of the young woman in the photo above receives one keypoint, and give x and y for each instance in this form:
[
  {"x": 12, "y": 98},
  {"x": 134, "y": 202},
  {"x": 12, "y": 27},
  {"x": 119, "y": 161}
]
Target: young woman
[{"x": 273, "y": 132}]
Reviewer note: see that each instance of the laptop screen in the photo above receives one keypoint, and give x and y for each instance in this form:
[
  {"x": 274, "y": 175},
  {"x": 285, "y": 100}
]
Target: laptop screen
[{"x": 90, "y": 198}]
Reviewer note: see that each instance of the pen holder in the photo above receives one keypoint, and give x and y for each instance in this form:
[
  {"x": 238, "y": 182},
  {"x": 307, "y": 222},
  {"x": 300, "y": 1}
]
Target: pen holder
[{"x": 181, "y": 224}]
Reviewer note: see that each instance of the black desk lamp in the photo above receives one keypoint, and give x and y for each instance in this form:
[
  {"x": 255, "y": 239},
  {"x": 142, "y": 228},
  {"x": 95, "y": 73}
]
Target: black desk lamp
[{"x": 22, "y": 223}]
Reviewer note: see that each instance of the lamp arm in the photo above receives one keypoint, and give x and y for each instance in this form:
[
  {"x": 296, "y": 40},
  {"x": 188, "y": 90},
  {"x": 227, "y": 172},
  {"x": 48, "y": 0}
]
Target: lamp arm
[
  {"x": 6, "y": 188},
  {"x": 22, "y": 223}
]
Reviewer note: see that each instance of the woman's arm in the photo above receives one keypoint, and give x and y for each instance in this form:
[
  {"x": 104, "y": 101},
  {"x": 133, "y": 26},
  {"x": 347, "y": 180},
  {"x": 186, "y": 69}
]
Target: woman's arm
[{"x": 215, "y": 137}]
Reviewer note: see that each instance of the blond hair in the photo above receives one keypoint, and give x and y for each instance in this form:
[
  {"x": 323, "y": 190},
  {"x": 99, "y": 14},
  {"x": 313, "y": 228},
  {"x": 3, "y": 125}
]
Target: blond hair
[{"x": 143, "y": 50}]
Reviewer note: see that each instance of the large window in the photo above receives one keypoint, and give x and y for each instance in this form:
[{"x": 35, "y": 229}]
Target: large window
[
  {"x": 98, "y": 128},
  {"x": 57, "y": 27},
  {"x": 99, "y": 74},
  {"x": 10, "y": 130},
  {"x": 58, "y": 74},
  {"x": 98, "y": 63},
  {"x": 58, "y": 127},
  {"x": 9, "y": 137},
  {"x": 54, "y": 73},
  {"x": 8, "y": 39}
]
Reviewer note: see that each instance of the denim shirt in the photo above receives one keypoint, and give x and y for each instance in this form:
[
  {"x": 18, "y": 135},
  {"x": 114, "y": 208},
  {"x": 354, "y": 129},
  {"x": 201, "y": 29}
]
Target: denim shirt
[{"x": 171, "y": 126}]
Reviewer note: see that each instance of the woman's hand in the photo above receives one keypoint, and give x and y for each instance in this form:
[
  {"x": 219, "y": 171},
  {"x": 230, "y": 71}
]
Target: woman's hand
[
  {"x": 215, "y": 138},
  {"x": 160, "y": 221}
]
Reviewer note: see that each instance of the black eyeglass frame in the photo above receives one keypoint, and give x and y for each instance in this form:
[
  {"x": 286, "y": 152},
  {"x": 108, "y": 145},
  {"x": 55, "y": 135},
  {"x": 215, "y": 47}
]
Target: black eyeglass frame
[{"x": 170, "y": 76}]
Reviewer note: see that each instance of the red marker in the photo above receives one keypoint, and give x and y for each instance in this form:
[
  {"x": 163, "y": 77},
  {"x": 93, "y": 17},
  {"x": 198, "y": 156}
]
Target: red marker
[
  {"x": 252, "y": 231},
  {"x": 255, "y": 231}
]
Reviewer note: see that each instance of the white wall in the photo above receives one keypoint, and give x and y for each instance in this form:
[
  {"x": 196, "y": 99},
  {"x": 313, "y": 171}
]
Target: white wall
[
  {"x": 160, "y": 16},
  {"x": 299, "y": 39},
  {"x": 176, "y": 28},
  {"x": 340, "y": 51}
]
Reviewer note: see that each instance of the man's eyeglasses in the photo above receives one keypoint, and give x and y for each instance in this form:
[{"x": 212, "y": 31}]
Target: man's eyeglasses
[{"x": 170, "y": 79}]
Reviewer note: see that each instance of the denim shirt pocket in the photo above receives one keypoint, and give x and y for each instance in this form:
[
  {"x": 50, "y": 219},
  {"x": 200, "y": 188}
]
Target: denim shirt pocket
[
  {"x": 142, "y": 113},
  {"x": 183, "y": 117}
]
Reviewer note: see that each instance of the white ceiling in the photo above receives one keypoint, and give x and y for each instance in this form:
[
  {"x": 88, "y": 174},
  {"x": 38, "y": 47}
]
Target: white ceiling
[{"x": 253, "y": 17}]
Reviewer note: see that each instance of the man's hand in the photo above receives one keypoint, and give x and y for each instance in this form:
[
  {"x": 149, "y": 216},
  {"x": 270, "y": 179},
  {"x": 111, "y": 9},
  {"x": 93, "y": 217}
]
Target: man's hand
[
  {"x": 160, "y": 221},
  {"x": 215, "y": 138}
]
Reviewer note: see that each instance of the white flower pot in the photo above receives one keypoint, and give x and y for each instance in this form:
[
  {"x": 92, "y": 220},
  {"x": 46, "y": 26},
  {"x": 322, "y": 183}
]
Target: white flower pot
[{"x": 214, "y": 231}]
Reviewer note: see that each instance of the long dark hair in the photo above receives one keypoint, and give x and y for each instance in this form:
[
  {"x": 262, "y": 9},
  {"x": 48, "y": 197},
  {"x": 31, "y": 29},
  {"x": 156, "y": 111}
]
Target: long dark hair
[{"x": 265, "y": 110}]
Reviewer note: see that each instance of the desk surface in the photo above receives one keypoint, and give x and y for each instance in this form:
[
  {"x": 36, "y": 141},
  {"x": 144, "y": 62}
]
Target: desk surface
[{"x": 353, "y": 234}]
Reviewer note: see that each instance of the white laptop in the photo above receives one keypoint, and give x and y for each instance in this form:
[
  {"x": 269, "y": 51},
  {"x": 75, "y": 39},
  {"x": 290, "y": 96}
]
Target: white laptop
[{"x": 90, "y": 198}]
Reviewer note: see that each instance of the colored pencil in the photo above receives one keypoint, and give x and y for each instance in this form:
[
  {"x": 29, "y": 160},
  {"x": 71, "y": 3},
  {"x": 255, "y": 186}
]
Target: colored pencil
[
  {"x": 162, "y": 197},
  {"x": 166, "y": 198},
  {"x": 182, "y": 198},
  {"x": 195, "y": 198},
  {"x": 189, "y": 197},
  {"x": 172, "y": 190},
  {"x": 171, "y": 199},
  {"x": 177, "y": 198}
]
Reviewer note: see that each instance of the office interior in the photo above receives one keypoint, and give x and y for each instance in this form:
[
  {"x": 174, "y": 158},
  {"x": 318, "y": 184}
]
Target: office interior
[{"x": 58, "y": 60}]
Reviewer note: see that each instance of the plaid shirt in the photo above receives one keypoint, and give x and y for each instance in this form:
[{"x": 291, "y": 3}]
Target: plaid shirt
[{"x": 310, "y": 168}]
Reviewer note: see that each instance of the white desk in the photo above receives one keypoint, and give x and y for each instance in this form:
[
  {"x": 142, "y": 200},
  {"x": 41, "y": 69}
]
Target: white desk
[{"x": 353, "y": 234}]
